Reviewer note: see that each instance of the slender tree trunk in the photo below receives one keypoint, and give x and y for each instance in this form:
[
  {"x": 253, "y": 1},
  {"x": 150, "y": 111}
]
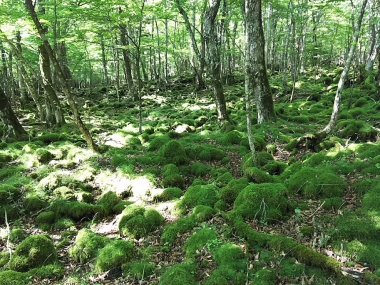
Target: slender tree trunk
[
  {"x": 21, "y": 82},
  {"x": 213, "y": 60},
  {"x": 77, "y": 118},
  {"x": 258, "y": 72},
  {"x": 13, "y": 131},
  {"x": 343, "y": 77},
  {"x": 201, "y": 61}
]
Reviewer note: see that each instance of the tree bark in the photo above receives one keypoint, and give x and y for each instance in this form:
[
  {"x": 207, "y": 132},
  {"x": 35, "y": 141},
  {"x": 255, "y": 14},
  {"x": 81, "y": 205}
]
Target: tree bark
[
  {"x": 213, "y": 60},
  {"x": 77, "y": 118},
  {"x": 258, "y": 72},
  {"x": 343, "y": 77},
  {"x": 13, "y": 131}
]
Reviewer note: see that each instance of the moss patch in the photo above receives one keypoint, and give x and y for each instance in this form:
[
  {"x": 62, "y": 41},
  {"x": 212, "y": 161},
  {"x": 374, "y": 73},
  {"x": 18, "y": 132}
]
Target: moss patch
[{"x": 114, "y": 254}]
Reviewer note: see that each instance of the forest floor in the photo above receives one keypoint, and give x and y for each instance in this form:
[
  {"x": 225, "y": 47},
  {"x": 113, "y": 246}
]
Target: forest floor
[{"x": 323, "y": 195}]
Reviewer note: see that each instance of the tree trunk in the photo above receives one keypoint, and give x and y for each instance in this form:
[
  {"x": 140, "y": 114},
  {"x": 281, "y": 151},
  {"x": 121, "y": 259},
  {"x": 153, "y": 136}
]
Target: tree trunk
[
  {"x": 77, "y": 118},
  {"x": 258, "y": 72},
  {"x": 13, "y": 131},
  {"x": 343, "y": 77},
  {"x": 201, "y": 61},
  {"x": 213, "y": 60}
]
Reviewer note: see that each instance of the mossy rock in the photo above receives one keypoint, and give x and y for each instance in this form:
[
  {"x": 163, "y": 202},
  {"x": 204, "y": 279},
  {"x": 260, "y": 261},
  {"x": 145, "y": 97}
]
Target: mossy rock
[
  {"x": 138, "y": 269},
  {"x": 266, "y": 202},
  {"x": 180, "y": 226},
  {"x": 84, "y": 197},
  {"x": 136, "y": 222},
  {"x": 174, "y": 152},
  {"x": 179, "y": 274},
  {"x": 43, "y": 155},
  {"x": 119, "y": 207},
  {"x": 230, "y": 192},
  {"x": 265, "y": 277},
  {"x": 157, "y": 142},
  {"x": 199, "y": 240},
  {"x": 203, "y": 213},
  {"x": 86, "y": 246},
  {"x": 9, "y": 194},
  {"x": 114, "y": 254},
  {"x": 168, "y": 194},
  {"x": 64, "y": 224},
  {"x": 199, "y": 195},
  {"x": 34, "y": 203},
  {"x": 51, "y": 137},
  {"x": 4, "y": 257},
  {"x": 231, "y": 138},
  {"x": 11, "y": 277},
  {"x": 34, "y": 251},
  {"x": 274, "y": 167},
  {"x": 224, "y": 275},
  {"x": 64, "y": 193},
  {"x": 198, "y": 169},
  {"x": 333, "y": 203},
  {"x": 316, "y": 159},
  {"x": 108, "y": 200}
]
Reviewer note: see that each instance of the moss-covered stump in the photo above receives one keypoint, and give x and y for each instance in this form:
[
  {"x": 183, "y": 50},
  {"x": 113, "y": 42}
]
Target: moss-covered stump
[
  {"x": 136, "y": 222},
  {"x": 86, "y": 245},
  {"x": 35, "y": 251},
  {"x": 179, "y": 274},
  {"x": 114, "y": 254},
  {"x": 265, "y": 202}
]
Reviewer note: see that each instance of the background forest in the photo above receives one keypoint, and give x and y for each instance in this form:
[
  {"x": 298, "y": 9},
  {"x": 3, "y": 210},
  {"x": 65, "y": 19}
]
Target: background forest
[{"x": 189, "y": 142}]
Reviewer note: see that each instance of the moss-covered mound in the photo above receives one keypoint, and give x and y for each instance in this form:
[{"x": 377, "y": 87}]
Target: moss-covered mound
[
  {"x": 198, "y": 240},
  {"x": 199, "y": 195},
  {"x": 179, "y": 274},
  {"x": 86, "y": 245},
  {"x": 230, "y": 192},
  {"x": 34, "y": 251},
  {"x": 137, "y": 222},
  {"x": 10, "y": 277},
  {"x": 265, "y": 202},
  {"x": 114, "y": 254},
  {"x": 355, "y": 130},
  {"x": 316, "y": 183},
  {"x": 170, "y": 193},
  {"x": 174, "y": 152},
  {"x": 8, "y": 194}
]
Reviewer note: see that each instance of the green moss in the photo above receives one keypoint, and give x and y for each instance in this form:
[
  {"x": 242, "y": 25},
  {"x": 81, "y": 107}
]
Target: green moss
[
  {"x": 265, "y": 202},
  {"x": 34, "y": 251},
  {"x": 10, "y": 277},
  {"x": 51, "y": 272},
  {"x": 355, "y": 130},
  {"x": 64, "y": 193},
  {"x": 174, "y": 180},
  {"x": 316, "y": 159},
  {"x": 169, "y": 170},
  {"x": 230, "y": 192},
  {"x": 170, "y": 193},
  {"x": 198, "y": 240},
  {"x": 179, "y": 274},
  {"x": 114, "y": 254},
  {"x": 33, "y": 203},
  {"x": 333, "y": 203},
  {"x": 364, "y": 252},
  {"x": 136, "y": 222},
  {"x": 64, "y": 224},
  {"x": 119, "y": 207},
  {"x": 223, "y": 179},
  {"x": 198, "y": 169},
  {"x": 274, "y": 167},
  {"x": 231, "y": 138},
  {"x": 203, "y": 213},
  {"x": 45, "y": 220},
  {"x": 138, "y": 269},
  {"x": 351, "y": 226},
  {"x": 108, "y": 200},
  {"x": 230, "y": 255},
  {"x": 199, "y": 195},
  {"x": 17, "y": 235},
  {"x": 221, "y": 205},
  {"x": 254, "y": 174},
  {"x": 180, "y": 226},
  {"x": 265, "y": 277},
  {"x": 76, "y": 210},
  {"x": 12, "y": 212},
  {"x": 8, "y": 194},
  {"x": 4, "y": 257},
  {"x": 174, "y": 152},
  {"x": 371, "y": 200},
  {"x": 43, "y": 155},
  {"x": 86, "y": 245},
  {"x": 51, "y": 137}
]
